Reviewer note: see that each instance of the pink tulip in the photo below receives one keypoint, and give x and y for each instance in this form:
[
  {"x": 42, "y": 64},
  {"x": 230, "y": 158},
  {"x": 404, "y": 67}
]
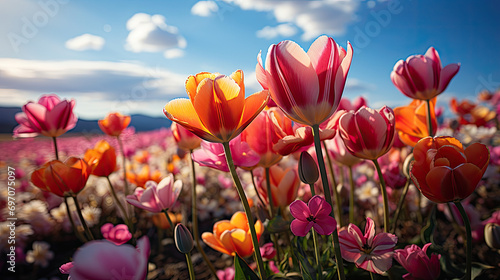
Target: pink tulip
[
  {"x": 212, "y": 155},
  {"x": 261, "y": 136},
  {"x": 291, "y": 138},
  {"x": 315, "y": 214},
  {"x": 369, "y": 251},
  {"x": 422, "y": 76},
  {"x": 226, "y": 274},
  {"x": 184, "y": 138},
  {"x": 268, "y": 251},
  {"x": 118, "y": 234},
  {"x": 355, "y": 105},
  {"x": 417, "y": 263},
  {"x": 306, "y": 86},
  {"x": 50, "y": 117},
  {"x": 339, "y": 153},
  {"x": 101, "y": 259},
  {"x": 368, "y": 133},
  {"x": 156, "y": 197}
]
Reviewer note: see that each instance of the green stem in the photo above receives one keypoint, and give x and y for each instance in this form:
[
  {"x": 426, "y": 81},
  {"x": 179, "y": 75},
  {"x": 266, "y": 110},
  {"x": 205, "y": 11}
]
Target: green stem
[
  {"x": 168, "y": 219},
  {"x": 70, "y": 217},
  {"x": 400, "y": 205},
  {"x": 246, "y": 206},
  {"x": 316, "y": 253},
  {"x": 371, "y": 275},
  {"x": 328, "y": 197},
  {"x": 334, "y": 187},
  {"x": 384, "y": 195},
  {"x": 124, "y": 166},
  {"x": 120, "y": 205},
  {"x": 256, "y": 190},
  {"x": 190, "y": 266},
  {"x": 313, "y": 192},
  {"x": 269, "y": 193},
  {"x": 429, "y": 118},
  {"x": 468, "y": 260},
  {"x": 194, "y": 214},
  {"x": 55, "y": 147},
  {"x": 82, "y": 220},
  {"x": 351, "y": 197}
]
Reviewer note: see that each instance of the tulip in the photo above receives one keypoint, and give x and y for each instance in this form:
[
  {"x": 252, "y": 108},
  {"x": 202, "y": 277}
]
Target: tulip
[
  {"x": 114, "y": 124},
  {"x": 291, "y": 138},
  {"x": 417, "y": 263},
  {"x": 355, "y": 105},
  {"x": 118, "y": 234},
  {"x": 368, "y": 133},
  {"x": 157, "y": 197},
  {"x": 104, "y": 260},
  {"x": 184, "y": 138},
  {"x": 50, "y": 116},
  {"x": 369, "y": 251},
  {"x": 339, "y": 153},
  {"x": 62, "y": 178},
  {"x": 101, "y": 159},
  {"x": 144, "y": 176},
  {"x": 211, "y": 93},
  {"x": 212, "y": 155},
  {"x": 284, "y": 185},
  {"x": 492, "y": 235},
  {"x": 411, "y": 121},
  {"x": 161, "y": 221},
  {"x": 422, "y": 76},
  {"x": 261, "y": 136},
  {"x": 183, "y": 239},
  {"x": 308, "y": 169},
  {"x": 233, "y": 237},
  {"x": 268, "y": 251},
  {"x": 306, "y": 86},
  {"x": 444, "y": 172},
  {"x": 315, "y": 214}
]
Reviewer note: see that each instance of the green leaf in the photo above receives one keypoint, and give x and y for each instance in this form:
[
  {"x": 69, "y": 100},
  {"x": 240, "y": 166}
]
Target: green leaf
[
  {"x": 242, "y": 270},
  {"x": 278, "y": 225},
  {"x": 427, "y": 232},
  {"x": 308, "y": 271}
]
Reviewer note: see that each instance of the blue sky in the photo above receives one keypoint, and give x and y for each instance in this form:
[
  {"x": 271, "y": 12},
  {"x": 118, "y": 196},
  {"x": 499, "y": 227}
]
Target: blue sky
[{"x": 134, "y": 56}]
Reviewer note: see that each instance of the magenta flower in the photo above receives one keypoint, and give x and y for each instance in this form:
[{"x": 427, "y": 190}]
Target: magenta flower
[
  {"x": 156, "y": 197},
  {"x": 49, "y": 116},
  {"x": 315, "y": 214},
  {"x": 118, "y": 234},
  {"x": 422, "y": 76},
  {"x": 369, "y": 251},
  {"x": 212, "y": 155},
  {"x": 268, "y": 251},
  {"x": 104, "y": 260},
  {"x": 417, "y": 263}
]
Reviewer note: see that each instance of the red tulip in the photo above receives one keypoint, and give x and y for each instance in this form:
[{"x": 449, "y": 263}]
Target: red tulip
[
  {"x": 444, "y": 172},
  {"x": 62, "y": 178},
  {"x": 422, "y": 76},
  {"x": 114, "y": 123},
  {"x": 306, "y": 86},
  {"x": 50, "y": 116},
  {"x": 101, "y": 159},
  {"x": 368, "y": 133}
]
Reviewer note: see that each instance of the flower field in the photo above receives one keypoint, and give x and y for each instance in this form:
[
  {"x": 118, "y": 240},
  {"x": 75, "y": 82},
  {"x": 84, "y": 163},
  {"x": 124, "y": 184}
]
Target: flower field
[{"x": 291, "y": 182}]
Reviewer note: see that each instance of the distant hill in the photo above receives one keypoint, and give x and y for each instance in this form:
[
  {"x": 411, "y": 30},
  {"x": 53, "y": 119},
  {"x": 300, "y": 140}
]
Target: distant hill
[{"x": 140, "y": 122}]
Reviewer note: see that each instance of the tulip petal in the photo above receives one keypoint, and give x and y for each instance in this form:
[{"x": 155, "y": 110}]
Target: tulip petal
[
  {"x": 227, "y": 241},
  {"x": 452, "y": 154},
  {"x": 242, "y": 243},
  {"x": 300, "y": 228},
  {"x": 213, "y": 242},
  {"x": 182, "y": 111},
  {"x": 254, "y": 104},
  {"x": 479, "y": 155},
  {"x": 299, "y": 210},
  {"x": 441, "y": 185},
  {"x": 221, "y": 226},
  {"x": 466, "y": 177},
  {"x": 239, "y": 220},
  {"x": 447, "y": 73}
]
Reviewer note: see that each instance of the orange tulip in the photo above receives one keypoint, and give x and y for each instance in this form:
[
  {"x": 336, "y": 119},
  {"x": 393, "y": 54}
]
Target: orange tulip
[
  {"x": 216, "y": 110},
  {"x": 233, "y": 237},
  {"x": 461, "y": 108},
  {"x": 62, "y": 178},
  {"x": 114, "y": 123},
  {"x": 184, "y": 138},
  {"x": 161, "y": 221},
  {"x": 284, "y": 185},
  {"x": 411, "y": 121},
  {"x": 444, "y": 172},
  {"x": 260, "y": 136},
  {"x": 142, "y": 177},
  {"x": 101, "y": 159}
]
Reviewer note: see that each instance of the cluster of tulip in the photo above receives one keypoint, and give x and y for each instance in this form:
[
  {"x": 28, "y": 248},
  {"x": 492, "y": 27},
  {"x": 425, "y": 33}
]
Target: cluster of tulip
[{"x": 283, "y": 135}]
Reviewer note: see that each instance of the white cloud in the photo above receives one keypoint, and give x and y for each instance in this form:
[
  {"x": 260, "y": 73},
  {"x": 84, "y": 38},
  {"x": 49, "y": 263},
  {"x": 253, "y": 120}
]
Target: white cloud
[
  {"x": 98, "y": 86},
  {"x": 85, "y": 42},
  {"x": 204, "y": 8},
  {"x": 150, "y": 33},
  {"x": 283, "y": 30},
  {"x": 173, "y": 53},
  {"x": 313, "y": 17}
]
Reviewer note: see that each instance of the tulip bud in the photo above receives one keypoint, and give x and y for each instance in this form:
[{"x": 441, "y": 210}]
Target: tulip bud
[
  {"x": 183, "y": 239},
  {"x": 308, "y": 170},
  {"x": 492, "y": 235}
]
